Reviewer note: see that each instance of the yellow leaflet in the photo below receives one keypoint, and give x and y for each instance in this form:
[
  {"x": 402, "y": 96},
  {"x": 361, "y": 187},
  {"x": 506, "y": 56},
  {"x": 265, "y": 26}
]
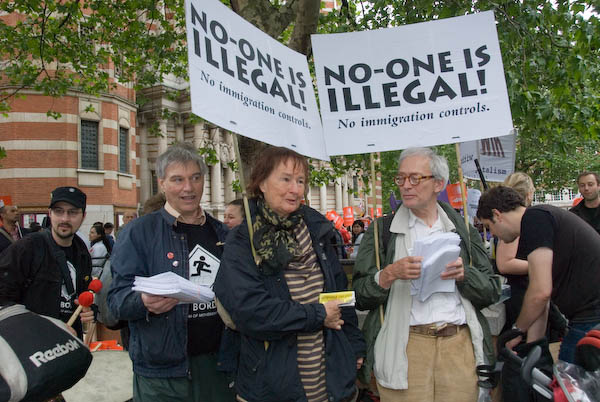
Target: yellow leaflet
[{"x": 346, "y": 297}]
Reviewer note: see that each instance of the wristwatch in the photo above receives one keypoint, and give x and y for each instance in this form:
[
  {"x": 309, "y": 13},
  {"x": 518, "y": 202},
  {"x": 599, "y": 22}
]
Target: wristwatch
[{"x": 515, "y": 328}]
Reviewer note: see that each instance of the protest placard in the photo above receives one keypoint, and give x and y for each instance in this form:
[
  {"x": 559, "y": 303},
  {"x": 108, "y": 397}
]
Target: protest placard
[
  {"x": 496, "y": 157},
  {"x": 424, "y": 84},
  {"x": 243, "y": 80}
]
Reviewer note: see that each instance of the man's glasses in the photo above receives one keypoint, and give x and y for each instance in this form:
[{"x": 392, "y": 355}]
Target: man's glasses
[
  {"x": 71, "y": 212},
  {"x": 413, "y": 179}
]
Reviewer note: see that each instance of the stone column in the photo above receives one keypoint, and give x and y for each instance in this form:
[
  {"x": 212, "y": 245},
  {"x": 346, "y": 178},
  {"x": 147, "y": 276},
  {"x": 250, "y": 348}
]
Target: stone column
[
  {"x": 228, "y": 155},
  {"x": 216, "y": 197},
  {"x": 338, "y": 196},
  {"x": 198, "y": 135},
  {"x": 345, "y": 195},
  {"x": 145, "y": 176},
  {"x": 163, "y": 139},
  {"x": 323, "y": 198},
  {"x": 179, "y": 132}
]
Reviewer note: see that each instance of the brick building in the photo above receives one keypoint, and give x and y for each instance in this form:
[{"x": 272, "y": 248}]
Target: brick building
[{"x": 108, "y": 145}]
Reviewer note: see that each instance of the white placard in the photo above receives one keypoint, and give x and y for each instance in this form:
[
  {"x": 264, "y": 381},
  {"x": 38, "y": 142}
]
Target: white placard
[
  {"x": 473, "y": 196},
  {"x": 423, "y": 84},
  {"x": 496, "y": 157},
  {"x": 243, "y": 80}
]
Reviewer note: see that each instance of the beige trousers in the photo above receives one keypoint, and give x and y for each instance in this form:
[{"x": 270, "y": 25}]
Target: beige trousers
[{"x": 439, "y": 369}]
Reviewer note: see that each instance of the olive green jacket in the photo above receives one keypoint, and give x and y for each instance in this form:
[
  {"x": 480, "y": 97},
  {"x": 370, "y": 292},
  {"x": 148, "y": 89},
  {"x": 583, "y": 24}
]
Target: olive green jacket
[{"x": 480, "y": 286}]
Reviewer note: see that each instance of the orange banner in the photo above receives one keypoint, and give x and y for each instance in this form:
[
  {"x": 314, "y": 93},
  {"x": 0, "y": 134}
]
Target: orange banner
[
  {"x": 348, "y": 216},
  {"x": 454, "y": 196},
  {"x": 5, "y": 200}
]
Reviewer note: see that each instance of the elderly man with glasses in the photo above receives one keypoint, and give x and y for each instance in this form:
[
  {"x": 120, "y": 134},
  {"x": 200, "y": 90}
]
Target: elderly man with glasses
[{"x": 424, "y": 350}]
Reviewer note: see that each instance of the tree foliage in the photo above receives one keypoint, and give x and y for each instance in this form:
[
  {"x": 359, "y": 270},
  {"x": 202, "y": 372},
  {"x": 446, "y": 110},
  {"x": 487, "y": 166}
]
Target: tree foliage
[
  {"x": 551, "y": 62},
  {"x": 53, "y": 46},
  {"x": 550, "y": 54}
]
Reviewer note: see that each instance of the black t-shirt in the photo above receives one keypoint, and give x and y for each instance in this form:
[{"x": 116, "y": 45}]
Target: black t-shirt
[
  {"x": 67, "y": 300},
  {"x": 575, "y": 262},
  {"x": 537, "y": 230},
  {"x": 204, "y": 324},
  {"x": 590, "y": 215}
]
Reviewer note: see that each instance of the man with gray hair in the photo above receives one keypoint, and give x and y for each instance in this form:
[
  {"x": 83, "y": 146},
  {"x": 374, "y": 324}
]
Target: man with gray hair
[
  {"x": 424, "y": 350},
  {"x": 173, "y": 346}
]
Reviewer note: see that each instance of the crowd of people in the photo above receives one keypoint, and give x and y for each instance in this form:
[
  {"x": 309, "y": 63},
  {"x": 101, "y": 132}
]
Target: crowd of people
[{"x": 267, "y": 336}]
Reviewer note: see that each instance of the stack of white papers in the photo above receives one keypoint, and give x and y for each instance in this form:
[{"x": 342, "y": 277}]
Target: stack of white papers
[
  {"x": 169, "y": 284},
  {"x": 437, "y": 250}
]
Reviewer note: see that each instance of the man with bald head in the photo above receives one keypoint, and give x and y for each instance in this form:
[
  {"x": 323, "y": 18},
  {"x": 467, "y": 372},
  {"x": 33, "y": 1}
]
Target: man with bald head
[{"x": 9, "y": 231}]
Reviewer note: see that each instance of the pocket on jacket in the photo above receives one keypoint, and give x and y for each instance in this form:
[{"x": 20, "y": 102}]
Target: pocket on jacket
[
  {"x": 341, "y": 365},
  {"x": 159, "y": 344},
  {"x": 250, "y": 383}
]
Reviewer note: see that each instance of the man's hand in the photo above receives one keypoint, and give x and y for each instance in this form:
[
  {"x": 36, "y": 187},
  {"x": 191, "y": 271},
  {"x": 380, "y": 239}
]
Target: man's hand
[
  {"x": 333, "y": 319},
  {"x": 404, "y": 268},
  {"x": 454, "y": 270},
  {"x": 71, "y": 330},
  {"x": 513, "y": 342},
  {"x": 86, "y": 315},
  {"x": 359, "y": 362},
  {"x": 158, "y": 304}
]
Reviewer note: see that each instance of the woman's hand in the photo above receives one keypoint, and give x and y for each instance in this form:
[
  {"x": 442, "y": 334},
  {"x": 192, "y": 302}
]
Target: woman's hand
[{"x": 333, "y": 319}]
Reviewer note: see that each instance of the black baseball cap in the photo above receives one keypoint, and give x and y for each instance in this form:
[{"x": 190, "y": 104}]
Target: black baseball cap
[{"x": 72, "y": 195}]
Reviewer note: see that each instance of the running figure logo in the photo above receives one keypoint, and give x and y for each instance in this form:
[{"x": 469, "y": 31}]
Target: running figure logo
[{"x": 203, "y": 266}]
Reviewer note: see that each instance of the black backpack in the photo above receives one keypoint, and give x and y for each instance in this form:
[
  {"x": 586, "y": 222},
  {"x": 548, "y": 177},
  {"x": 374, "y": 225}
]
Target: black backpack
[{"x": 39, "y": 356}]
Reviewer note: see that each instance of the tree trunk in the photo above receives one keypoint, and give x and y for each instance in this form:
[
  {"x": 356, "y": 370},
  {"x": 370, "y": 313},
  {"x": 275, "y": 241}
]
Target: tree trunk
[{"x": 273, "y": 21}]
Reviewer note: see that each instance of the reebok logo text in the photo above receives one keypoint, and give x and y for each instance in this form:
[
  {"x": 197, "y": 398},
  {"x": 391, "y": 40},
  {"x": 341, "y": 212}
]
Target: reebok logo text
[{"x": 39, "y": 357}]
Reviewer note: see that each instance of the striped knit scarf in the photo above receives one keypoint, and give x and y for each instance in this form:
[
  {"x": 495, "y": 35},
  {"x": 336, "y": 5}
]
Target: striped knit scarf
[{"x": 274, "y": 238}]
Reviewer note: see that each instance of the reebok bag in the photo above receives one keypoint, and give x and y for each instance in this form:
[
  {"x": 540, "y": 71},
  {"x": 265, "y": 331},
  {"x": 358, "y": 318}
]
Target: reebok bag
[{"x": 39, "y": 358}]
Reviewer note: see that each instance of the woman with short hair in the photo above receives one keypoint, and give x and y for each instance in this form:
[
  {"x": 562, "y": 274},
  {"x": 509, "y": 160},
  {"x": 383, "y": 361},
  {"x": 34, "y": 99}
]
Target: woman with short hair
[{"x": 293, "y": 348}]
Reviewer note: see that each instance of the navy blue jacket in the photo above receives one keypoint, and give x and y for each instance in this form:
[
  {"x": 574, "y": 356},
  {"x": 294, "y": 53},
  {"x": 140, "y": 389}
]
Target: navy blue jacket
[
  {"x": 262, "y": 309},
  {"x": 158, "y": 342}
]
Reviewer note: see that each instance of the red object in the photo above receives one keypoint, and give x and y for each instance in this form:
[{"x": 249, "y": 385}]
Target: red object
[
  {"x": 95, "y": 285},
  {"x": 110, "y": 344},
  {"x": 170, "y": 255},
  {"x": 86, "y": 298},
  {"x": 377, "y": 213},
  {"x": 330, "y": 215},
  {"x": 346, "y": 236},
  {"x": 454, "y": 195},
  {"x": 5, "y": 200},
  {"x": 348, "y": 216},
  {"x": 338, "y": 222},
  {"x": 577, "y": 200}
]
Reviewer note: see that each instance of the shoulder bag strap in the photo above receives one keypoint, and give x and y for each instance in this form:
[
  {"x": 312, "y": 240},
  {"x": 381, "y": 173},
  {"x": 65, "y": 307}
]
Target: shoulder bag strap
[
  {"x": 7, "y": 235},
  {"x": 61, "y": 259}
]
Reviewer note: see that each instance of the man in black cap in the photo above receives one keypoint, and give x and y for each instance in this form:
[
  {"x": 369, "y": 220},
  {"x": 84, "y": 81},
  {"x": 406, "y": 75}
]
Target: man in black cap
[{"x": 46, "y": 271}]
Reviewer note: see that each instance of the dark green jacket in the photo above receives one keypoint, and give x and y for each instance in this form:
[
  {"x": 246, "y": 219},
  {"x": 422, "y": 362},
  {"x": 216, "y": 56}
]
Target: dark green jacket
[{"x": 480, "y": 286}]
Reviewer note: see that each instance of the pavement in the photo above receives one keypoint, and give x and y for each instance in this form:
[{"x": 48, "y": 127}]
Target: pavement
[{"x": 109, "y": 379}]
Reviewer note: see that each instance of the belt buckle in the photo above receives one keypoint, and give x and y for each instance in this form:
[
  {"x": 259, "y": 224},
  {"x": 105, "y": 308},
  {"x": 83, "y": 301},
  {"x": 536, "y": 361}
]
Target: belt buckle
[{"x": 439, "y": 328}]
